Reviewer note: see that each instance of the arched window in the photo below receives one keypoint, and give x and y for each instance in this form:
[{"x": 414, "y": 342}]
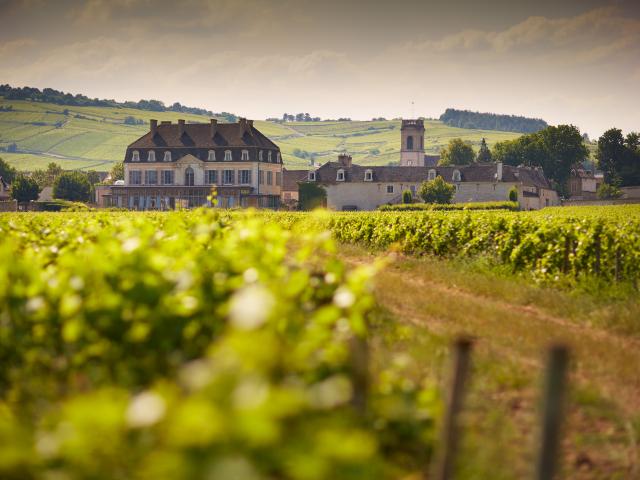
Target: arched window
[
  {"x": 167, "y": 156},
  {"x": 212, "y": 156},
  {"x": 312, "y": 176},
  {"x": 227, "y": 155},
  {"x": 409, "y": 142},
  {"x": 368, "y": 175},
  {"x": 189, "y": 177},
  {"x": 456, "y": 175},
  {"x": 151, "y": 157},
  {"x": 432, "y": 174},
  {"x": 340, "y": 176},
  {"x": 260, "y": 156},
  {"x": 245, "y": 155},
  {"x": 135, "y": 156}
]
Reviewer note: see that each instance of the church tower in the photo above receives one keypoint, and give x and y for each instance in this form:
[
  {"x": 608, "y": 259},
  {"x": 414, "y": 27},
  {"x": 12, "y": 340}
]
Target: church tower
[{"x": 412, "y": 143}]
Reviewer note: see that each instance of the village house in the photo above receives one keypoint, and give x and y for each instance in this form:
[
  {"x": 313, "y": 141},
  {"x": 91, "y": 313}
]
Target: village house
[
  {"x": 290, "y": 179},
  {"x": 355, "y": 187},
  {"x": 583, "y": 184},
  {"x": 179, "y": 165}
]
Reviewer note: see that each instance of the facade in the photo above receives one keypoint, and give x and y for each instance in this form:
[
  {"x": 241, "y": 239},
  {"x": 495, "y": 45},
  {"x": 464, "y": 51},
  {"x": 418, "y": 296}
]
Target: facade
[
  {"x": 583, "y": 184},
  {"x": 290, "y": 180},
  {"x": 180, "y": 165},
  {"x": 412, "y": 145},
  {"x": 354, "y": 187}
]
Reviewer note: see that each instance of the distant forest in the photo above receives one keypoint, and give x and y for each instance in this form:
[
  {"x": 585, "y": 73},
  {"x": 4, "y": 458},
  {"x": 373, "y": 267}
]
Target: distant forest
[
  {"x": 491, "y": 121},
  {"x": 49, "y": 95}
]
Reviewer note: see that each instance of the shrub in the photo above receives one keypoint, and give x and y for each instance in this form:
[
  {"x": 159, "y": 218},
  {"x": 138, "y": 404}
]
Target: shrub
[
  {"x": 407, "y": 197},
  {"x": 608, "y": 192},
  {"x": 437, "y": 191},
  {"x": 513, "y": 194},
  {"x": 73, "y": 186}
]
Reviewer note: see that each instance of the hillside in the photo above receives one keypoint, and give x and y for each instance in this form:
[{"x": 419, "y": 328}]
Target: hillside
[{"x": 96, "y": 137}]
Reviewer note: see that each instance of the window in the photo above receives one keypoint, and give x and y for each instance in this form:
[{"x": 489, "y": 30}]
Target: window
[
  {"x": 389, "y": 188},
  {"x": 212, "y": 156},
  {"x": 189, "y": 177},
  {"x": 245, "y": 177},
  {"x": 261, "y": 177},
  {"x": 260, "y": 155},
  {"x": 432, "y": 174},
  {"x": 151, "y": 177},
  {"x": 227, "y": 156},
  {"x": 211, "y": 176},
  {"x": 278, "y": 158},
  {"x": 269, "y": 157},
  {"x": 135, "y": 177},
  {"x": 269, "y": 178},
  {"x": 228, "y": 177},
  {"x": 413, "y": 190},
  {"x": 167, "y": 156},
  {"x": 167, "y": 177},
  {"x": 410, "y": 142},
  {"x": 456, "y": 175},
  {"x": 421, "y": 144},
  {"x": 368, "y": 175},
  {"x": 151, "y": 156},
  {"x": 278, "y": 175},
  {"x": 410, "y": 163},
  {"x": 340, "y": 176},
  {"x": 245, "y": 155},
  {"x": 135, "y": 156},
  {"x": 312, "y": 176}
]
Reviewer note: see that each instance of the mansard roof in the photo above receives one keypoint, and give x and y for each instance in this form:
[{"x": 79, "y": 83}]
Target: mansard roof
[
  {"x": 198, "y": 135},
  {"x": 327, "y": 173}
]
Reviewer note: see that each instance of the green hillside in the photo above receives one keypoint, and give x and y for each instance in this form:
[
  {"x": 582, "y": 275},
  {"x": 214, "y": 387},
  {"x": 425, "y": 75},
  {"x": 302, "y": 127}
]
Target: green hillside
[{"x": 96, "y": 137}]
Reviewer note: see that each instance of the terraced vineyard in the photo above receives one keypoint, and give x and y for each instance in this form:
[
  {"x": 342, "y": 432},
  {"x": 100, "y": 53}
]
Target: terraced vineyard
[{"x": 94, "y": 137}]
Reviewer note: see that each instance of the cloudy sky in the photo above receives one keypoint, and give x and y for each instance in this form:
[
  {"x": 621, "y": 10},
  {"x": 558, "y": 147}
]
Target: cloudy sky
[{"x": 564, "y": 61}]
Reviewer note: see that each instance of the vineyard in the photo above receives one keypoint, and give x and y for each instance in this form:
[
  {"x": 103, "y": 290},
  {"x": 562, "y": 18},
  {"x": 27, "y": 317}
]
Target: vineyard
[{"x": 210, "y": 344}]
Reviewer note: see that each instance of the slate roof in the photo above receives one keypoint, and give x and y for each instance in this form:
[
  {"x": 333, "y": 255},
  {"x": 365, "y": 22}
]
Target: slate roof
[
  {"x": 327, "y": 173},
  {"x": 290, "y": 179},
  {"x": 198, "y": 135}
]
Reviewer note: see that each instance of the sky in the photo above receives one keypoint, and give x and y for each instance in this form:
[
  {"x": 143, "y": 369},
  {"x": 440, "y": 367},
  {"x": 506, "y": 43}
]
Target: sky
[{"x": 574, "y": 62}]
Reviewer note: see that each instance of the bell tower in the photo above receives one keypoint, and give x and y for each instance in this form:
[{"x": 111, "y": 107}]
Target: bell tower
[{"x": 412, "y": 143}]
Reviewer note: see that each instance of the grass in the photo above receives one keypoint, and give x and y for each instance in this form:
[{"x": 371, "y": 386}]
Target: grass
[
  {"x": 425, "y": 303},
  {"x": 96, "y": 137}
]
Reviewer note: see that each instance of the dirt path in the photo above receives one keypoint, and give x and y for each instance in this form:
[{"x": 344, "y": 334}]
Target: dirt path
[{"x": 511, "y": 338}]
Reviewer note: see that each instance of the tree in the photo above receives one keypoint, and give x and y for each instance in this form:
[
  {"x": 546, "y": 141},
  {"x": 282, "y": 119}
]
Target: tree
[
  {"x": 407, "y": 196},
  {"x": 117, "y": 172},
  {"x": 608, "y": 192},
  {"x": 46, "y": 178},
  {"x": 73, "y": 186},
  {"x": 93, "y": 177},
  {"x": 24, "y": 189},
  {"x": 484, "y": 155},
  {"x": 457, "y": 153},
  {"x": 610, "y": 154},
  {"x": 437, "y": 191},
  {"x": 311, "y": 195},
  {"x": 7, "y": 172}
]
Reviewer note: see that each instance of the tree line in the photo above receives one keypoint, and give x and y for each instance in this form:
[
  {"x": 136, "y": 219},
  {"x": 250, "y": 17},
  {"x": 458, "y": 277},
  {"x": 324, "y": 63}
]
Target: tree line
[
  {"x": 491, "y": 121},
  {"x": 50, "y": 95}
]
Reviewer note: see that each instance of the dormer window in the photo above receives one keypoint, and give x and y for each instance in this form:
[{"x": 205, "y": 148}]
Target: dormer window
[
  {"x": 135, "y": 156},
  {"x": 278, "y": 158},
  {"x": 312, "y": 176},
  {"x": 227, "y": 155},
  {"x": 432, "y": 174},
  {"x": 212, "y": 156},
  {"x": 245, "y": 155},
  {"x": 167, "y": 156},
  {"x": 340, "y": 176},
  {"x": 456, "y": 175},
  {"x": 269, "y": 157},
  {"x": 368, "y": 175},
  {"x": 151, "y": 156},
  {"x": 260, "y": 156}
]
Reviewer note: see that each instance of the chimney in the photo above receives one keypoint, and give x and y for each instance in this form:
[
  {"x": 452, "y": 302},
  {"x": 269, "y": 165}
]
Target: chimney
[
  {"x": 243, "y": 125},
  {"x": 180, "y": 127},
  {"x": 344, "y": 160},
  {"x": 214, "y": 125},
  {"x": 499, "y": 172},
  {"x": 154, "y": 127}
]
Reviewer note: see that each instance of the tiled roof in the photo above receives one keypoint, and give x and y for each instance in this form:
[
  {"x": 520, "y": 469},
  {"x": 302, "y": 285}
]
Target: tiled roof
[
  {"x": 198, "y": 135},
  {"x": 327, "y": 173},
  {"x": 290, "y": 178}
]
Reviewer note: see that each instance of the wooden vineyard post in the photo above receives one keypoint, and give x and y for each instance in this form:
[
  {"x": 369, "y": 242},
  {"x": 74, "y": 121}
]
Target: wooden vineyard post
[
  {"x": 552, "y": 412},
  {"x": 359, "y": 352},
  {"x": 444, "y": 460}
]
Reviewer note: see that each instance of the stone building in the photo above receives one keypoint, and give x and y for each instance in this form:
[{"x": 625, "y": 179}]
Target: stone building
[
  {"x": 180, "y": 165},
  {"x": 355, "y": 187},
  {"x": 412, "y": 145}
]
